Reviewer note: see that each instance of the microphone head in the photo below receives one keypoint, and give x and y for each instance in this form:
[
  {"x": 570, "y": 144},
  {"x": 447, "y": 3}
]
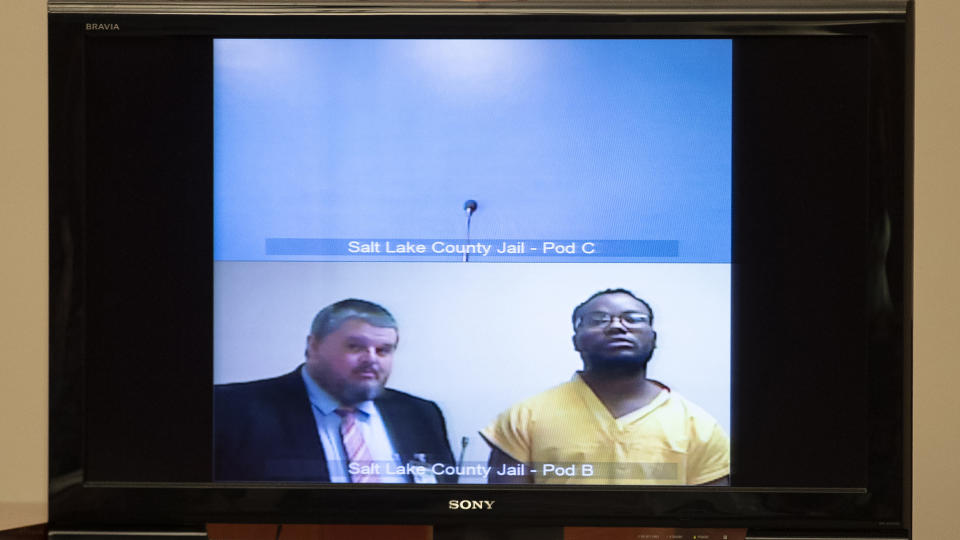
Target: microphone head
[{"x": 470, "y": 206}]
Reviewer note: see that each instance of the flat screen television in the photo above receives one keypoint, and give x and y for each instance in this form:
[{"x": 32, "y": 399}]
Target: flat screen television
[{"x": 650, "y": 263}]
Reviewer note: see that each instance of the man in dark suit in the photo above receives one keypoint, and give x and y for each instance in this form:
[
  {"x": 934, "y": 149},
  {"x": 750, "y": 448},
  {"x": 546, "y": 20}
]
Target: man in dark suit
[{"x": 332, "y": 419}]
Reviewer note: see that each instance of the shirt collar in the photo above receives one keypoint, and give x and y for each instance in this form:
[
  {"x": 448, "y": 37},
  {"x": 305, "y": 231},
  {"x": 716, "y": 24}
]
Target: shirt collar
[
  {"x": 662, "y": 397},
  {"x": 324, "y": 402},
  {"x": 578, "y": 377}
]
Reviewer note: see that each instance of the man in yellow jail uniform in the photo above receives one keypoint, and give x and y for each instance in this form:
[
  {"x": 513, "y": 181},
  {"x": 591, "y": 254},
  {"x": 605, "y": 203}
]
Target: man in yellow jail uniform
[{"x": 609, "y": 424}]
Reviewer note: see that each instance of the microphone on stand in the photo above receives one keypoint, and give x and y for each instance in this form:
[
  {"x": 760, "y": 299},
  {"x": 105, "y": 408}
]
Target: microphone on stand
[
  {"x": 464, "y": 441},
  {"x": 470, "y": 206}
]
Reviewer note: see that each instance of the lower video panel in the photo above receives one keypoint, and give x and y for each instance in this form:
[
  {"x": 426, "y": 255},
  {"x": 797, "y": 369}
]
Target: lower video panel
[{"x": 472, "y": 373}]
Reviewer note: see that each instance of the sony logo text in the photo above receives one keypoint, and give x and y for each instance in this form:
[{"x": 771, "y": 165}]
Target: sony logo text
[{"x": 467, "y": 504}]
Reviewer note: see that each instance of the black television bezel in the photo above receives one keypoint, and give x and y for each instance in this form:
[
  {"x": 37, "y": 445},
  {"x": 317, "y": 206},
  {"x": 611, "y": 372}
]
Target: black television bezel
[{"x": 881, "y": 509}]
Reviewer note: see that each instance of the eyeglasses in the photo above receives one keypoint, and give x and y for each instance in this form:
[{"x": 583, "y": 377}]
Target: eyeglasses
[{"x": 629, "y": 319}]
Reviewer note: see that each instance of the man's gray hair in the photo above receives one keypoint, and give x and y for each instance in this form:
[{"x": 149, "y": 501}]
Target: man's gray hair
[{"x": 330, "y": 318}]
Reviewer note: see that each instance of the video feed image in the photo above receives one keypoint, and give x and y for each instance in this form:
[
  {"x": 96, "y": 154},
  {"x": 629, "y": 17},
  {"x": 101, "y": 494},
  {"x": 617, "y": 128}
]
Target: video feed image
[{"x": 472, "y": 261}]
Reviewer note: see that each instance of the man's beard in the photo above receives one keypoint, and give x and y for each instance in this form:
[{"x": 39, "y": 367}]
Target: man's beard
[
  {"x": 344, "y": 390},
  {"x": 620, "y": 364},
  {"x": 352, "y": 394}
]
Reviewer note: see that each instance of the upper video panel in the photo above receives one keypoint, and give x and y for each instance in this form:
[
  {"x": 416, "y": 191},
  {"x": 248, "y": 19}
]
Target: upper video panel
[{"x": 330, "y": 149}]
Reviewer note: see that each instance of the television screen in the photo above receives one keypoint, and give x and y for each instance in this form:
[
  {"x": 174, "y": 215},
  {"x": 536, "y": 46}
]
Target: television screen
[
  {"x": 477, "y": 191},
  {"x": 609, "y": 265}
]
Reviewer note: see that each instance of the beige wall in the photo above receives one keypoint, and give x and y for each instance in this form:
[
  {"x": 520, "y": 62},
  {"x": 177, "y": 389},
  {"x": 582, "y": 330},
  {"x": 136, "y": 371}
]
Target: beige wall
[
  {"x": 936, "y": 270},
  {"x": 23, "y": 347},
  {"x": 23, "y": 263}
]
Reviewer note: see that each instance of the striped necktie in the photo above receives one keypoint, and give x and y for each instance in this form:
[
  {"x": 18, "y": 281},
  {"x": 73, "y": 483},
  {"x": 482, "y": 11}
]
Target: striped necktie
[{"x": 354, "y": 445}]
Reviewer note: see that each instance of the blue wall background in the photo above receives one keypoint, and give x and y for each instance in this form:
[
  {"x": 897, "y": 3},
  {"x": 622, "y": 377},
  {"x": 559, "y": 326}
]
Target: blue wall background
[{"x": 555, "y": 139}]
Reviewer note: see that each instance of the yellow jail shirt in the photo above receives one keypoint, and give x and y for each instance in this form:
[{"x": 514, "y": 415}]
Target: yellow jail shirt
[{"x": 567, "y": 436}]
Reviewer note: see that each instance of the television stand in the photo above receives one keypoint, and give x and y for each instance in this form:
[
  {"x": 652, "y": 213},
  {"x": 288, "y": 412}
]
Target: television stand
[{"x": 461, "y": 532}]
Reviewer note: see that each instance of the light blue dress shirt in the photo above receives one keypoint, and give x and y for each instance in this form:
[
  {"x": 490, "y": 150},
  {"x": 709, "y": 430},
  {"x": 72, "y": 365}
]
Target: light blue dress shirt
[{"x": 371, "y": 427}]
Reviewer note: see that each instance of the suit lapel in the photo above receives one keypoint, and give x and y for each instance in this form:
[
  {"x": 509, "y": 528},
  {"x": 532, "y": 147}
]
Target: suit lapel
[
  {"x": 395, "y": 420},
  {"x": 300, "y": 429}
]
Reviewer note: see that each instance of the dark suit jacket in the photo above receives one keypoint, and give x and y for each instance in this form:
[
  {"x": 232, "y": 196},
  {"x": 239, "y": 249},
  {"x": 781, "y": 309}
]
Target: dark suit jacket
[{"x": 265, "y": 430}]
